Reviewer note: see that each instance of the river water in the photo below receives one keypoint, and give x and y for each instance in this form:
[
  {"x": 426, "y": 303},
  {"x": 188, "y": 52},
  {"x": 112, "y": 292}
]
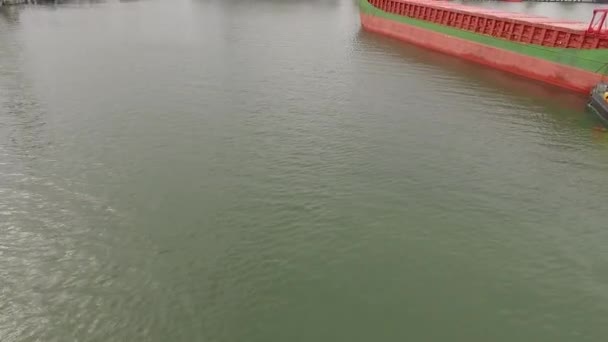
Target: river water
[{"x": 194, "y": 170}]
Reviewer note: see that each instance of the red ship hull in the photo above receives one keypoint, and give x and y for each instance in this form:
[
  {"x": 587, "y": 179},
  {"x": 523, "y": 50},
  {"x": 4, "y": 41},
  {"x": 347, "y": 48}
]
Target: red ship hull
[{"x": 531, "y": 67}]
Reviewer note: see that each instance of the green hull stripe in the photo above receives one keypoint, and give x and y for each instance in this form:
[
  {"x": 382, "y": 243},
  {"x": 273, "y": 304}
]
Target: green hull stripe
[{"x": 594, "y": 60}]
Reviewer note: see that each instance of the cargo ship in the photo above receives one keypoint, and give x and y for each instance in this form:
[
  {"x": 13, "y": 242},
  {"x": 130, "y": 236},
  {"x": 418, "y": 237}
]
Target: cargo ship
[{"x": 569, "y": 54}]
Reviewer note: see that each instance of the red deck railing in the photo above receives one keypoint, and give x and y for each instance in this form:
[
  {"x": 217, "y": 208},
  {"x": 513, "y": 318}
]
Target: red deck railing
[
  {"x": 517, "y": 27},
  {"x": 598, "y": 24}
]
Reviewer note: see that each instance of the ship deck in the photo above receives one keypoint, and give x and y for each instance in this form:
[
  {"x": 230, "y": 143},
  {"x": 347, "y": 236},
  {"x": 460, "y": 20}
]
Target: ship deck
[{"x": 517, "y": 27}]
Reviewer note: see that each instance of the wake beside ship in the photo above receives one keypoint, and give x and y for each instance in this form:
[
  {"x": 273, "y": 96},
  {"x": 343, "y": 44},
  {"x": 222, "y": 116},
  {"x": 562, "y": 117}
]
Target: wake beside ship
[{"x": 568, "y": 54}]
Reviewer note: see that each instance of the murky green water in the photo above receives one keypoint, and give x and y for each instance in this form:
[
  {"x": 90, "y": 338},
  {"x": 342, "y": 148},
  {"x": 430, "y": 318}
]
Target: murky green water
[{"x": 265, "y": 171}]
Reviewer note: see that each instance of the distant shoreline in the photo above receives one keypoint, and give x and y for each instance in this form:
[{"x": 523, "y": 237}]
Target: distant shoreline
[{"x": 12, "y": 2}]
